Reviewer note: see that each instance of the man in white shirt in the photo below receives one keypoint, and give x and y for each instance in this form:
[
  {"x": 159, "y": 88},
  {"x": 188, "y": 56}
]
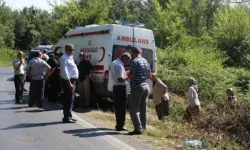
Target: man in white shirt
[
  {"x": 120, "y": 82},
  {"x": 36, "y": 70},
  {"x": 19, "y": 78},
  {"x": 69, "y": 75}
]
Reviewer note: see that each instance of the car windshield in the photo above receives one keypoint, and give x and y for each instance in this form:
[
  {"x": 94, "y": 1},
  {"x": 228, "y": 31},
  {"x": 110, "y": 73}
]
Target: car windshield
[{"x": 118, "y": 50}]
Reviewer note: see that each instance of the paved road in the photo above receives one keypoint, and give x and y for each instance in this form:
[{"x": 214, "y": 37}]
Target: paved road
[{"x": 23, "y": 128}]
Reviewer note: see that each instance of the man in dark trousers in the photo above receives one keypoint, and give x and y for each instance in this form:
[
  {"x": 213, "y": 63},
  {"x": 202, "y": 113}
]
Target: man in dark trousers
[
  {"x": 69, "y": 75},
  {"x": 85, "y": 67},
  {"x": 19, "y": 78},
  {"x": 119, "y": 77},
  {"x": 36, "y": 70},
  {"x": 53, "y": 78}
]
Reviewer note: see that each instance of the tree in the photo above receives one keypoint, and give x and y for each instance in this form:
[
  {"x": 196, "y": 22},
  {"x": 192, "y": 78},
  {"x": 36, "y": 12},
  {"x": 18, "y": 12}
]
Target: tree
[
  {"x": 231, "y": 31},
  {"x": 6, "y": 27},
  {"x": 79, "y": 13}
]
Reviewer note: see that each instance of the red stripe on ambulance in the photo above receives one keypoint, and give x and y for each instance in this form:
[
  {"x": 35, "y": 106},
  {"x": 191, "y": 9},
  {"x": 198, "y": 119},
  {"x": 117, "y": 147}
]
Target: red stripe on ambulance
[
  {"x": 99, "y": 67},
  {"x": 89, "y": 33}
]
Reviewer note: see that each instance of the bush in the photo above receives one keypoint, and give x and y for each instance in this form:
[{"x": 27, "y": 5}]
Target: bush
[
  {"x": 6, "y": 56},
  {"x": 176, "y": 65}
]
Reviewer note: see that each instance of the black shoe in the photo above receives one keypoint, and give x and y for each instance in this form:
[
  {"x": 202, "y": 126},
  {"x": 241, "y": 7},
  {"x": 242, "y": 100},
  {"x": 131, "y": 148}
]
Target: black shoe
[
  {"x": 25, "y": 90},
  {"x": 121, "y": 129},
  {"x": 40, "y": 106},
  {"x": 135, "y": 132},
  {"x": 19, "y": 102},
  {"x": 68, "y": 121},
  {"x": 73, "y": 119}
]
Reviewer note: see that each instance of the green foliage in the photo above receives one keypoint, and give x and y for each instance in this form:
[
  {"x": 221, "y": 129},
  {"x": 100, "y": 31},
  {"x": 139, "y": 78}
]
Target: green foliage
[
  {"x": 6, "y": 27},
  {"x": 79, "y": 13},
  {"x": 6, "y": 56},
  {"x": 167, "y": 24},
  {"x": 177, "y": 65},
  {"x": 231, "y": 31}
]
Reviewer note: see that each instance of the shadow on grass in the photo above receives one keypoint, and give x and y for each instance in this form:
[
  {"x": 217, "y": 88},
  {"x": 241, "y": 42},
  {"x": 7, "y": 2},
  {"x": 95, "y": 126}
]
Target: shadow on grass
[{"x": 91, "y": 132}]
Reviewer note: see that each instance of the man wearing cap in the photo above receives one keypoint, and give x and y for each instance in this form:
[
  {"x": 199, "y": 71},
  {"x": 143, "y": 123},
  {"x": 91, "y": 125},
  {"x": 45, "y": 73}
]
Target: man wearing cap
[
  {"x": 139, "y": 73},
  {"x": 120, "y": 78},
  {"x": 85, "y": 68},
  {"x": 69, "y": 75},
  {"x": 19, "y": 78},
  {"x": 36, "y": 70},
  {"x": 53, "y": 78}
]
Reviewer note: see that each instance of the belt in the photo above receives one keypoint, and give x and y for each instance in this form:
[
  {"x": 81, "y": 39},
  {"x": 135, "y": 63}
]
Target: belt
[
  {"x": 119, "y": 85},
  {"x": 71, "y": 79},
  {"x": 19, "y": 74}
]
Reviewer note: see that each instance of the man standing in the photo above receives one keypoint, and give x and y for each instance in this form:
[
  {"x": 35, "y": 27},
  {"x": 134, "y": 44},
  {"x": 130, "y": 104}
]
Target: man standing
[
  {"x": 69, "y": 75},
  {"x": 53, "y": 78},
  {"x": 139, "y": 73},
  {"x": 19, "y": 78},
  {"x": 119, "y": 88},
  {"x": 85, "y": 67},
  {"x": 36, "y": 72}
]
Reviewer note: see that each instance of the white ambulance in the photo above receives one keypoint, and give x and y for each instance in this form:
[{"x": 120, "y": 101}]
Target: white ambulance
[{"x": 102, "y": 44}]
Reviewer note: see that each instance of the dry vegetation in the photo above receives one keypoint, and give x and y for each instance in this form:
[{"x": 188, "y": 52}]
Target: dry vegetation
[{"x": 224, "y": 126}]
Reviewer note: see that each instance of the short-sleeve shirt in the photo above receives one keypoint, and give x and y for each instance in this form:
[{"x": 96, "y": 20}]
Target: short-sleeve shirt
[
  {"x": 68, "y": 68},
  {"x": 20, "y": 70},
  {"x": 140, "y": 68},
  {"x": 118, "y": 71},
  {"x": 84, "y": 68},
  {"x": 36, "y": 68}
]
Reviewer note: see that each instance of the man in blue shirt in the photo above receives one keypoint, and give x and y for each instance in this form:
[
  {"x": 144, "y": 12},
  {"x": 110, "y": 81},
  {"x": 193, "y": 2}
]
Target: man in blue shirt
[{"x": 139, "y": 73}]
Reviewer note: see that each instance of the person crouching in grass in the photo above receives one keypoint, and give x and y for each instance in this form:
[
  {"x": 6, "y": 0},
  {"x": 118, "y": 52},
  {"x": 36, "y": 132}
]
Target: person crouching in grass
[
  {"x": 193, "y": 112},
  {"x": 231, "y": 97},
  {"x": 160, "y": 97}
]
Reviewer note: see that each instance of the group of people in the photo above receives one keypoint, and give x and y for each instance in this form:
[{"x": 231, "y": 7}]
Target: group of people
[
  {"x": 138, "y": 74},
  {"x": 61, "y": 74}
]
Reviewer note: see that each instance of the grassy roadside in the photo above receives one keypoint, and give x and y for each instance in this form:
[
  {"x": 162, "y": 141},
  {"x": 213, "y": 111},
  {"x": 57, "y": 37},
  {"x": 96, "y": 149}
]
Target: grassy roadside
[
  {"x": 6, "y": 57},
  {"x": 173, "y": 131}
]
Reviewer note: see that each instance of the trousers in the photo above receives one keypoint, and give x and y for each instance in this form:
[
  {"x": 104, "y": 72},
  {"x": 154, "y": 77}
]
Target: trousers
[
  {"x": 19, "y": 81},
  {"x": 36, "y": 93},
  {"x": 54, "y": 89},
  {"x": 68, "y": 98},
  {"x": 138, "y": 106},
  {"x": 120, "y": 94},
  {"x": 84, "y": 91}
]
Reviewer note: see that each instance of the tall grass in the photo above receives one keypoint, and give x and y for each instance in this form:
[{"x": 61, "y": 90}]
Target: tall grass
[{"x": 6, "y": 56}]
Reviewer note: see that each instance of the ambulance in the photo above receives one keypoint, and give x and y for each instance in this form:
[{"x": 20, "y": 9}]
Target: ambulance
[{"x": 102, "y": 44}]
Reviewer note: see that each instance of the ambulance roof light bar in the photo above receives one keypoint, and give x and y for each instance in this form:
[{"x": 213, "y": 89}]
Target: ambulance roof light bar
[{"x": 130, "y": 23}]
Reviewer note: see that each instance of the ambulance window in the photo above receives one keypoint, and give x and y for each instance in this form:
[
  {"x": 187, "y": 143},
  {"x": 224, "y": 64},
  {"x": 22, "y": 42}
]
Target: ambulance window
[{"x": 146, "y": 53}]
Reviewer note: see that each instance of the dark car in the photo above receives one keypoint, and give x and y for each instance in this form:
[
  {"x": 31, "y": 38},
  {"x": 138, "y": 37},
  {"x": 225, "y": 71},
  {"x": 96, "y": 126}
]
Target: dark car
[{"x": 32, "y": 53}]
